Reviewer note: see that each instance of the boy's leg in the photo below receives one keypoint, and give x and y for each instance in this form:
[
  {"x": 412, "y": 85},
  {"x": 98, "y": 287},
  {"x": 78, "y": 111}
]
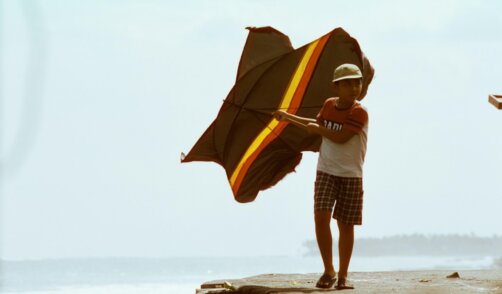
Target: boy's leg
[
  {"x": 324, "y": 200},
  {"x": 345, "y": 246},
  {"x": 348, "y": 212},
  {"x": 324, "y": 240}
]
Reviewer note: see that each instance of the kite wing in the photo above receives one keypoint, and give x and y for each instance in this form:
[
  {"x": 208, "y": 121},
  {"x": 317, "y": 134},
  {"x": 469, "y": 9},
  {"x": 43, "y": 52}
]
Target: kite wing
[{"x": 256, "y": 150}]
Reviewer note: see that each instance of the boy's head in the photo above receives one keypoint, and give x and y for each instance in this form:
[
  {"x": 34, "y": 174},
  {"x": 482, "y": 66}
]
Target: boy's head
[{"x": 347, "y": 81}]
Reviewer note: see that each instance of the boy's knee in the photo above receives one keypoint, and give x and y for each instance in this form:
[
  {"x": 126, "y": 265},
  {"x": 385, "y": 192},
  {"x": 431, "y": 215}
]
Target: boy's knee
[
  {"x": 322, "y": 217},
  {"x": 345, "y": 228}
]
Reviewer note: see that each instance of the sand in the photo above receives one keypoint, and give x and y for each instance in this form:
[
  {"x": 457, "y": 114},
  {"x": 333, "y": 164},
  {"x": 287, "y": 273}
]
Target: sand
[{"x": 479, "y": 281}]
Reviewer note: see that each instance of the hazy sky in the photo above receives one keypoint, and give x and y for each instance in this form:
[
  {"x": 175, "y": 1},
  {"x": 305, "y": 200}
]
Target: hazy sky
[{"x": 99, "y": 98}]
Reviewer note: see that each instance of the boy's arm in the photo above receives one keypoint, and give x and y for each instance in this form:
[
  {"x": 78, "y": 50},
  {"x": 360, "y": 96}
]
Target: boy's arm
[
  {"x": 338, "y": 137},
  {"x": 296, "y": 120},
  {"x": 311, "y": 125},
  {"x": 354, "y": 124}
]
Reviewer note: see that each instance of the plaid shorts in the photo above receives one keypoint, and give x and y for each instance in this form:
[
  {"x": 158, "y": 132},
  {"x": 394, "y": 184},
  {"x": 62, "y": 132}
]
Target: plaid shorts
[{"x": 347, "y": 193}]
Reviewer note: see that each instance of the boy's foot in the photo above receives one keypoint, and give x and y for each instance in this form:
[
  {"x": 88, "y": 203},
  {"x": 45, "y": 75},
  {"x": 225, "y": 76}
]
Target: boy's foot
[
  {"x": 326, "y": 281},
  {"x": 343, "y": 285}
]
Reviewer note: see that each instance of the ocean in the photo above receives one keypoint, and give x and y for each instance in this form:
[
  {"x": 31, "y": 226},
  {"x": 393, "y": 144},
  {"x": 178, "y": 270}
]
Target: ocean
[{"x": 184, "y": 275}]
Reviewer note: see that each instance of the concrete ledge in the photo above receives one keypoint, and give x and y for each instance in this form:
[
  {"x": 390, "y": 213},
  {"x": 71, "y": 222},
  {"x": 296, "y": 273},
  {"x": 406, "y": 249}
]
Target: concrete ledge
[{"x": 482, "y": 281}]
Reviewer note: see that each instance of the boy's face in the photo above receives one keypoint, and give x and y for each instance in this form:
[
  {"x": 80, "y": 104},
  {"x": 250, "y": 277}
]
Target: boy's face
[{"x": 348, "y": 89}]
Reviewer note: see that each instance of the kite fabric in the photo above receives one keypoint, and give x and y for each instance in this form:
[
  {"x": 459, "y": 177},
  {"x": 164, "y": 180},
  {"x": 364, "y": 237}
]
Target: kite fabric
[{"x": 256, "y": 150}]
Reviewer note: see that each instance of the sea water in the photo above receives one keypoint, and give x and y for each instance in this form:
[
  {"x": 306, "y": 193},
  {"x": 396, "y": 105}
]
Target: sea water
[{"x": 184, "y": 275}]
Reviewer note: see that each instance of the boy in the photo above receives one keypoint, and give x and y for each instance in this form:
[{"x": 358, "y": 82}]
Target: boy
[{"x": 343, "y": 125}]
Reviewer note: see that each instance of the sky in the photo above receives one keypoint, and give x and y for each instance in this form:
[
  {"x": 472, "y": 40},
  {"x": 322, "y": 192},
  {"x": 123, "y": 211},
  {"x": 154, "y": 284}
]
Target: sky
[{"x": 99, "y": 98}]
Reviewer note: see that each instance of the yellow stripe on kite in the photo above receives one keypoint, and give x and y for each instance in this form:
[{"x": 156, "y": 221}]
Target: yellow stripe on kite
[{"x": 286, "y": 101}]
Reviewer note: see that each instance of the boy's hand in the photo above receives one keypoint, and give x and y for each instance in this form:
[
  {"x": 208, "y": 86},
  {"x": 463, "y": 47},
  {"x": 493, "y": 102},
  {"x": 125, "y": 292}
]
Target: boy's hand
[
  {"x": 280, "y": 115},
  {"x": 312, "y": 128}
]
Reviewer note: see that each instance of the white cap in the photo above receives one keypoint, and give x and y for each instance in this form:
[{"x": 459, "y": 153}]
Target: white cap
[{"x": 347, "y": 71}]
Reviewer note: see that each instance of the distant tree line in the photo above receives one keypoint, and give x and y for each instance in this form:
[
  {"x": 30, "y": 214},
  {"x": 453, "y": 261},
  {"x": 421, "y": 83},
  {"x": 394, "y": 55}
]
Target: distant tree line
[
  {"x": 498, "y": 262},
  {"x": 421, "y": 245}
]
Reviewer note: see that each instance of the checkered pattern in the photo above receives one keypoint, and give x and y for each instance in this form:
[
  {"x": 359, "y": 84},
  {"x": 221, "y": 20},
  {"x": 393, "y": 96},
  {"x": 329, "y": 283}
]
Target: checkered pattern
[{"x": 347, "y": 193}]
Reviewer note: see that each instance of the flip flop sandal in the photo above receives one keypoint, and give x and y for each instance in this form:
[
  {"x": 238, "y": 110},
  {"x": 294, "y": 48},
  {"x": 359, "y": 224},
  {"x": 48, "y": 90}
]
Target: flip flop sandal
[
  {"x": 343, "y": 285},
  {"x": 326, "y": 281}
]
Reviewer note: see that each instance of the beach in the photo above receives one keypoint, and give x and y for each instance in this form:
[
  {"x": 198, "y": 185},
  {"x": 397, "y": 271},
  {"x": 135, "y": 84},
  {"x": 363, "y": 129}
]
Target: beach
[{"x": 185, "y": 275}]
